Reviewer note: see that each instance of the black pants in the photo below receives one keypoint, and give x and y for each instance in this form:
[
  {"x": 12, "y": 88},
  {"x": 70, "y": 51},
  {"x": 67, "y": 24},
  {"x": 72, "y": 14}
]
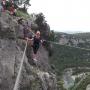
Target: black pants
[
  {"x": 4, "y": 7},
  {"x": 35, "y": 48}
]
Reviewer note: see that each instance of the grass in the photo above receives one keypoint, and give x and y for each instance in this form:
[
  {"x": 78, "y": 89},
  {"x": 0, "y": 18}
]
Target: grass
[{"x": 22, "y": 14}]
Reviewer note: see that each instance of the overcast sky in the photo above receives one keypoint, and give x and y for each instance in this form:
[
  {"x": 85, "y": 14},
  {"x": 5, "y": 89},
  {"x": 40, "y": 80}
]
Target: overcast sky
[{"x": 64, "y": 15}]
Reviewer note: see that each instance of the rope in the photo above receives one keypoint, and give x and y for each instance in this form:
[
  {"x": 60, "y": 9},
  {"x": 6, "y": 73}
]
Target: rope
[{"x": 16, "y": 86}]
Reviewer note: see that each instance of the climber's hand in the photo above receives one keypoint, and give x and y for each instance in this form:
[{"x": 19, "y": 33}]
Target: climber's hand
[{"x": 26, "y": 38}]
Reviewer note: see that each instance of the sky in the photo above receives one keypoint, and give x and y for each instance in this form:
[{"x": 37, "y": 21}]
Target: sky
[{"x": 64, "y": 15}]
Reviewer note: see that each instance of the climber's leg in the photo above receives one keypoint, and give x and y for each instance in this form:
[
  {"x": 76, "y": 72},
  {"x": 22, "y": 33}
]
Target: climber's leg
[
  {"x": 4, "y": 8},
  {"x": 35, "y": 49},
  {"x": 34, "y": 57}
]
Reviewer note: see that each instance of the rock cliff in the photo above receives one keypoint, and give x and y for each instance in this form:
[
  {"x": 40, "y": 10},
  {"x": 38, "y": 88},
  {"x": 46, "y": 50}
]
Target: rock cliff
[{"x": 33, "y": 77}]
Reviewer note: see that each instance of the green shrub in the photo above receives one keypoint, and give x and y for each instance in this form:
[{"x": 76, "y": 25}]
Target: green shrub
[{"x": 22, "y": 14}]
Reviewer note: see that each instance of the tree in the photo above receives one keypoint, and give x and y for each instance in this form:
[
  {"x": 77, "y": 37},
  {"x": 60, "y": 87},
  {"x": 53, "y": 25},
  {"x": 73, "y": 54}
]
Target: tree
[
  {"x": 22, "y": 4},
  {"x": 42, "y": 25},
  {"x": 40, "y": 19},
  {"x": 52, "y": 36}
]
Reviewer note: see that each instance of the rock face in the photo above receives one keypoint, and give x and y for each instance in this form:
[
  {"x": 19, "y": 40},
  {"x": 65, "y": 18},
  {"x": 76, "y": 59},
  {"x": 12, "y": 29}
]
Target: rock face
[
  {"x": 11, "y": 50},
  {"x": 9, "y": 55}
]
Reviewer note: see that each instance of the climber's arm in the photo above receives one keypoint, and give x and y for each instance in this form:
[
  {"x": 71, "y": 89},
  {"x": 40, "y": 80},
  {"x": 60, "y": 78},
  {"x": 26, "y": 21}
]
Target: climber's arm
[{"x": 29, "y": 39}]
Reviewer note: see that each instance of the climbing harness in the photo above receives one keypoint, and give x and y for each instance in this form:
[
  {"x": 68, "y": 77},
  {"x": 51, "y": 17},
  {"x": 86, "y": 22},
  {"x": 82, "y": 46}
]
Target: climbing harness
[{"x": 17, "y": 82}]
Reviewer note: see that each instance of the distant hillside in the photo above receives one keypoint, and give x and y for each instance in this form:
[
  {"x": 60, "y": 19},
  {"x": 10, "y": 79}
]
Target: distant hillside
[
  {"x": 65, "y": 57},
  {"x": 82, "y": 35},
  {"x": 69, "y": 57},
  {"x": 77, "y": 40}
]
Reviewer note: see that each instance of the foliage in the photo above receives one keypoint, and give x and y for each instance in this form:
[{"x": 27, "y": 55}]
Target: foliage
[
  {"x": 40, "y": 19},
  {"x": 23, "y": 3},
  {"x": 69, "y": 57},
  {"x": 21, "y": 14},
  {"x": 8, "y": 5},
  {"x": 83, "y": 84},
  {"x": 20, "y": 4},
  {"x": 48, "y": 47},
  {"x": 26, "y": 2},
  {"x": 42, "y": 25},
  {"x": 52, "y": 36},
  {"x": 60, "y": 85},
  {"x": 77, "y": 79}
]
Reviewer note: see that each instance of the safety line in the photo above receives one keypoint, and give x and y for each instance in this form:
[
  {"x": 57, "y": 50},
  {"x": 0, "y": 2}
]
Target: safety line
[{"x": 16, "y": 86}]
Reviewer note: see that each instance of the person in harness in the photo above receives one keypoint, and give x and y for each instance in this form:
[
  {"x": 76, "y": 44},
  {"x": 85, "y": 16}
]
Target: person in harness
[
  {"x": 4, "y": 5},
  {"x": 36, "y": 44},
  {"x": 35, "y": 41},
  {"x": 12, "y": 10}
]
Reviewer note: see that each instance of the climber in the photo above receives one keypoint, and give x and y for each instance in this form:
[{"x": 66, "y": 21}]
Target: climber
[
  {"x": 36, "y": 44},
  {"x": 4, "y": 5},
  {"x": 12, "y": 10}
]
